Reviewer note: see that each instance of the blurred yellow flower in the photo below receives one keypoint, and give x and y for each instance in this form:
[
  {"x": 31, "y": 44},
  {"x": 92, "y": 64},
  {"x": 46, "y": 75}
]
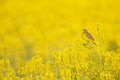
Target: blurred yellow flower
[{"x": 59, "y": 40}]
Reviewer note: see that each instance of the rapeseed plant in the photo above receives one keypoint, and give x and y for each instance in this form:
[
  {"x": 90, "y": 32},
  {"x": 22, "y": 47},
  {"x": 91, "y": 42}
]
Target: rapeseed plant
[
  {"x": 75, "y": 62},
  {"x": 59, "y": 40}
]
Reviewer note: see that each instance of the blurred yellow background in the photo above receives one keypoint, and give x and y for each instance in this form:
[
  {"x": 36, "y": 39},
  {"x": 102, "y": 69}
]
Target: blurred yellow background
[{"x": 30, "y": 27}]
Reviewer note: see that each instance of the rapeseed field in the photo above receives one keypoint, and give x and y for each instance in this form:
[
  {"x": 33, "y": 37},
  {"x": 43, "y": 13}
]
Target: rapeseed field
[{"x": 59, "y": 40}]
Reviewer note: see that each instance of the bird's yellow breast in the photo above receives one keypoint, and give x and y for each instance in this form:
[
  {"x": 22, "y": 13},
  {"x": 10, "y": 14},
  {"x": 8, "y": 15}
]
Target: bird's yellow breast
[{"x": 85, "y": 38}]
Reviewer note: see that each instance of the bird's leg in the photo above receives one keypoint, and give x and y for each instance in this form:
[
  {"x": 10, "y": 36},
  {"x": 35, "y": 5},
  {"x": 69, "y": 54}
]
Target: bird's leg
[{"x": 86, "y": 45}]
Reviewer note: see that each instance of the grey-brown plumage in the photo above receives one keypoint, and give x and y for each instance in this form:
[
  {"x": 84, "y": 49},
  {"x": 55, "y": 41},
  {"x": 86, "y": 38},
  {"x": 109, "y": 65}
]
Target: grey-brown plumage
[{"x": 88, "y": 35}]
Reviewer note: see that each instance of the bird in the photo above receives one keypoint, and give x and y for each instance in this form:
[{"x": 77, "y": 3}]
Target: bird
[{"x": 88, "y": 37}]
